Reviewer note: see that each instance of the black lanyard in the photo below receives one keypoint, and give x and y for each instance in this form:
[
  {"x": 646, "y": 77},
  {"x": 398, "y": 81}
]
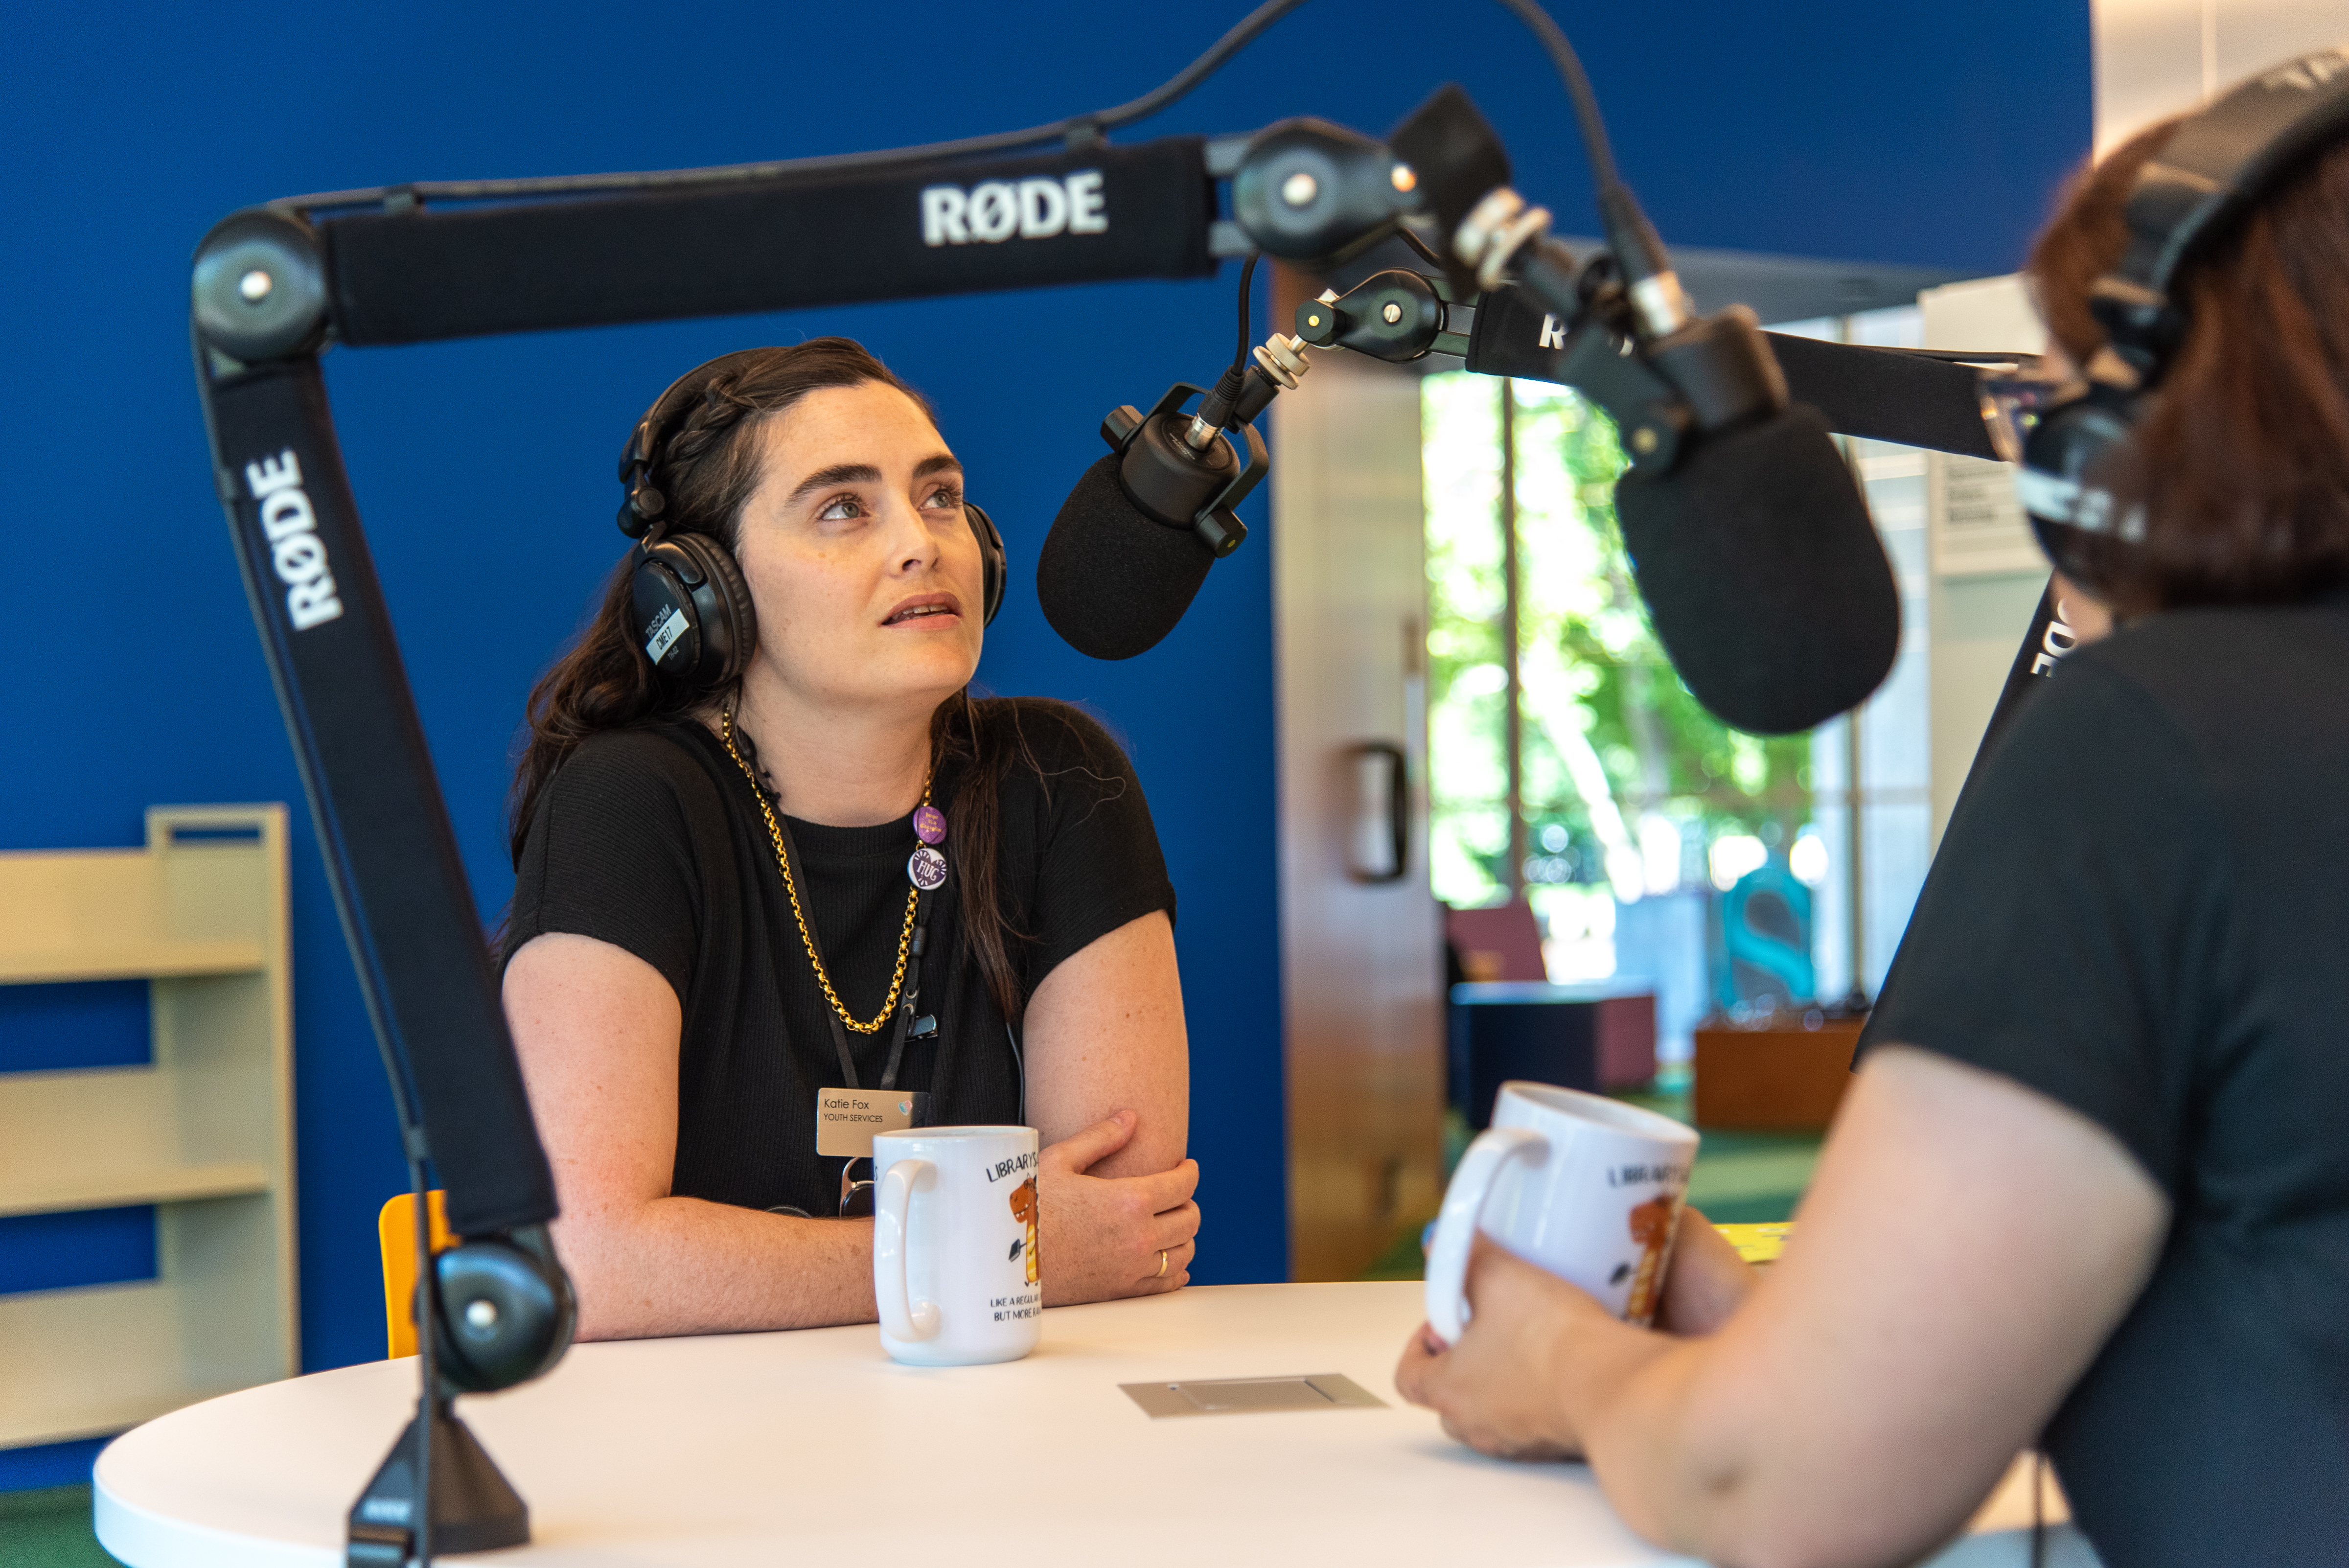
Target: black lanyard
[{"x": 907, "y": 996}]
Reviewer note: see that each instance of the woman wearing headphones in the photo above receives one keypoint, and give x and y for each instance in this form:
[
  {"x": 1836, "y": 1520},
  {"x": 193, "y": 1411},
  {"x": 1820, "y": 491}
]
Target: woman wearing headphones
[
  {"x": 768, "y": 843},
  {"x": 2090, "y": 1188}
]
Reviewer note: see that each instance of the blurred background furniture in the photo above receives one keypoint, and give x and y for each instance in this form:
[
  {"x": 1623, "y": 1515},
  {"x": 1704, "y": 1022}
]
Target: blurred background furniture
[
  {"x": 1596, "y": 1036},
  {"x": 1501, "y": 942},
  {"x": 202, "y": 1131},
  {"x": 395, "y": 1233},
  {"x": 1760, "y": 1245},
  {"x": 1785, "y": 1072}
]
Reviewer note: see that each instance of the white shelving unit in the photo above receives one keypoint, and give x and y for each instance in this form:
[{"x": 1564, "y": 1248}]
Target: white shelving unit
[{"x": 203, "y": 1132}]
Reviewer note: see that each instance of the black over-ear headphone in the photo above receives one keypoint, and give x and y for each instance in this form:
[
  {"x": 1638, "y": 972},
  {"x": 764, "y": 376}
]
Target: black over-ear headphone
[
  {"x": 2217, "y": 165},
  {"x": 690, "y": 609}
]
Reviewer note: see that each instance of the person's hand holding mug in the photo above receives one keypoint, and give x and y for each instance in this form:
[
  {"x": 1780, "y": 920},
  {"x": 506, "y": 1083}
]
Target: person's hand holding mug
[
  {"x": 1538, "y": 1353},
  {"x": 1560, "y": 1225}
]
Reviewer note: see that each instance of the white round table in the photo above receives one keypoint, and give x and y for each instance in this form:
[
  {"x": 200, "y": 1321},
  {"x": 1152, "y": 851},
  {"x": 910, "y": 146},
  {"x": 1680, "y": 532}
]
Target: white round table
[{"x": 814, "y": 1448}]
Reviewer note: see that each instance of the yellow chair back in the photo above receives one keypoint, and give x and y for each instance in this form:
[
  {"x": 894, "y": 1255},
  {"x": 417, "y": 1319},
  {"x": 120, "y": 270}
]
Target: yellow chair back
[{"x": 394, "y": 1231}]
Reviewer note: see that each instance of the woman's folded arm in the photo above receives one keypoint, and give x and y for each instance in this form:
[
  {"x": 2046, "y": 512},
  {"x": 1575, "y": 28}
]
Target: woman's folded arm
[{"x": 597, "y": 1029}]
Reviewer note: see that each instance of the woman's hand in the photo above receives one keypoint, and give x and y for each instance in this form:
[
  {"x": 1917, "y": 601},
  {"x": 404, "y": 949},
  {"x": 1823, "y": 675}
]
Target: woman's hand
[
  {"x": 1100, "y": 1237},
  {"x": 1505, "y": 1388},
  {"x": 1500, "y": 1390}
]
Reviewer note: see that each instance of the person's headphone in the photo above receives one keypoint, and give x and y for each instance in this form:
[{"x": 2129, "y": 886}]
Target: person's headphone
[
  {"x": 690, "y": 609},
  {"x": 2218, "y": 164}
]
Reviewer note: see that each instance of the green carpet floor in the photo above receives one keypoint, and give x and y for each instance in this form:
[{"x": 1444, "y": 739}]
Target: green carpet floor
[{"x": 50, "y": 1528}]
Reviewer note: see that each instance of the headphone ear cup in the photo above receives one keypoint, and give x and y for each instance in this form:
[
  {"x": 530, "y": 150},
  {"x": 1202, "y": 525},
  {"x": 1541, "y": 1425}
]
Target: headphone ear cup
[
  {"x": 991, "y": 556},
  {"x": 2067, "y": 460},
  {"x": 692, "y": 611},
  {"x": 661, "y": 612},
  {"x": 729, "y": 619}
]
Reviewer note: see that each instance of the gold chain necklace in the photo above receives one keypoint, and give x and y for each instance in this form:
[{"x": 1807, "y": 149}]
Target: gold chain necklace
[{"x": 775, "y": 834}]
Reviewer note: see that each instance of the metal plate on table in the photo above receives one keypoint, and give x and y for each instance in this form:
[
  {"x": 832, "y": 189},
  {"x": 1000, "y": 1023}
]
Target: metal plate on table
[{"x": 1250, "y": 1396}]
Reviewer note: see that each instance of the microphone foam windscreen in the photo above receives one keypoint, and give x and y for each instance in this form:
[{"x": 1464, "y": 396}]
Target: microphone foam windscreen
[
  {"x": 1112, "y": 580},
  {"x": 1762, "y": 576}
]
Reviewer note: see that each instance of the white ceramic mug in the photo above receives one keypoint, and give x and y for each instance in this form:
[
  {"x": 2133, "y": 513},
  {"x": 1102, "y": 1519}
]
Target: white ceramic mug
[
  {"x": 1587, "y": 1186},
  {"x": 954, "y": 1244}
]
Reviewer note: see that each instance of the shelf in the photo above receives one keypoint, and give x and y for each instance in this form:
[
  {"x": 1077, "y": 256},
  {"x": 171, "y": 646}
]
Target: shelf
[
  {"x": 192, "y": 907},
  {"x": 143, "y": 960},
  {"x": 115, "y": 1190},
  {"x": 83, "y": 1363},
  {"x": 203, "y": 1131},
  {"x": 94, "y": 1137},
  {"x": 77, "y": 1418}
]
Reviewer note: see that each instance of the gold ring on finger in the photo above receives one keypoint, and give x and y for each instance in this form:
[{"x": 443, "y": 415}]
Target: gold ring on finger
[{"x": 1161, "y": 1264}]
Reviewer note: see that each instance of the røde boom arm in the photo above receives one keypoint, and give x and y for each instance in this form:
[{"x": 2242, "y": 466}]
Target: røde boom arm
[{"x": 274, "y": 287}]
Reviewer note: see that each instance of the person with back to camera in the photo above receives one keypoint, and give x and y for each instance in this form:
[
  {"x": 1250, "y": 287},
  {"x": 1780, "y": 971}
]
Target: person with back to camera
[
  {"x": 2090, "y": 1188},
  {"x": 767, "y": 842}
]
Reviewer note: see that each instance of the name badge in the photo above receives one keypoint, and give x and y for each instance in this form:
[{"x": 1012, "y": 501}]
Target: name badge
[{"x": 846, "y": 1119}]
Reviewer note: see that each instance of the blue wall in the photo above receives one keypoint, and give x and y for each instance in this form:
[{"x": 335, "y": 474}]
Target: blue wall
[{"x": 1846, "y": 128}]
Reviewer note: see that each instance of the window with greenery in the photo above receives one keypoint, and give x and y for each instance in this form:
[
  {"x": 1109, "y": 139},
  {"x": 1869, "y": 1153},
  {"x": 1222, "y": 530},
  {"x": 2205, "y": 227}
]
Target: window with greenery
[{"x": 1568, "y": 763}]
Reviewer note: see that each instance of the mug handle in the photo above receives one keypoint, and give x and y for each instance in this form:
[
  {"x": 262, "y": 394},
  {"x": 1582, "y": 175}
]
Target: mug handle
[
  {"x": 900, "y": 1319},
  {"x": 1456, "y": 1227}
]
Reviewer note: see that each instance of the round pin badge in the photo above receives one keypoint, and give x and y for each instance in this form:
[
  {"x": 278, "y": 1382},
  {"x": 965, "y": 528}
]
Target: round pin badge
[
  {"x": 930, "y": 824},
  {"x": 927, "y": 868}
]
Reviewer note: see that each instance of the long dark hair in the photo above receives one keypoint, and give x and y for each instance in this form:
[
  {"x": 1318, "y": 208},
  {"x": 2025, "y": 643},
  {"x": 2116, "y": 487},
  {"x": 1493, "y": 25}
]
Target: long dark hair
[
  {"x": 2242, "y": 463},
  {"x": 707, "y": 469}
]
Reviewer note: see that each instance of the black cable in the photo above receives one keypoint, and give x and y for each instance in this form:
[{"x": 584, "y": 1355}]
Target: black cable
[
  {"x": 1244, "y": 32},
  {"x": 425, "y": 1306},
  {"x": 1149, "y": 103},
  {"x": 1218, "y": 406},
  {"x": 1426, "y": 252},
  {"x": 1239, "y": 355}
]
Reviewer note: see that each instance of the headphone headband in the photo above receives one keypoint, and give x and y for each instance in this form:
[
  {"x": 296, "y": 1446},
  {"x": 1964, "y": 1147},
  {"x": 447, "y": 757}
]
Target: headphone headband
[
  {"x": 646, "y": 502},
  {"x": 2220, "y": 162}
]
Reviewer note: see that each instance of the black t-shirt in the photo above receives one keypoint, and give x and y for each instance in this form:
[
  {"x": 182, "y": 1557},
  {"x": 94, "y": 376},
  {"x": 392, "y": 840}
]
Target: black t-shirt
[
  {"x": 651, "y": 839},
  {"x": 2141, "y": 910}
]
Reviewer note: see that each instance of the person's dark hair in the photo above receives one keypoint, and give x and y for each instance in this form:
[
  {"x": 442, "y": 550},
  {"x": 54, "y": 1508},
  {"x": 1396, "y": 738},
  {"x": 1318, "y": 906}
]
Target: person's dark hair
[
  {"x": 707, "y": 469},
  {"x": 2241, "y": 463}
]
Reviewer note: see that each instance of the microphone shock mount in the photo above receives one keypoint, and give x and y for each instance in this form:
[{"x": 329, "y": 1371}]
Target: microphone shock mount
[{"x": 1179, "y": 485}]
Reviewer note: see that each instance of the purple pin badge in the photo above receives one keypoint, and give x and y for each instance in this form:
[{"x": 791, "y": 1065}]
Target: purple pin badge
[
  {"x": 930, "y": 824},
  {"x": 927, "y": 868}
]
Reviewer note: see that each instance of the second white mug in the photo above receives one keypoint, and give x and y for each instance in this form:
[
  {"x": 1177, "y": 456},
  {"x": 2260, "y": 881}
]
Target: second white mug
[
  {"x": 954, "y": 1266},
  {"x": 1587, "y": 1186}
]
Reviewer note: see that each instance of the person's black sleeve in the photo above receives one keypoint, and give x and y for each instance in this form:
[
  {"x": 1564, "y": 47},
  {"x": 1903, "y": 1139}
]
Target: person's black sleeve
[
  {"x": 610, "y": 854},
  {"x": 1101, "y": 864},
  {"x": 2072, "y": 935}
]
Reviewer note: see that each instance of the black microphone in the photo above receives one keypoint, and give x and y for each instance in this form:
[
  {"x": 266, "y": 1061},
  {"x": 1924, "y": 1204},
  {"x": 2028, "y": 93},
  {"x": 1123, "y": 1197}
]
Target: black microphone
[
  {"x": 1112, "y": 579},
  {"x": 1763, "y": 577},
  {"x": 1748, "y": 535},
  {"x": 1133, "y": 543}
]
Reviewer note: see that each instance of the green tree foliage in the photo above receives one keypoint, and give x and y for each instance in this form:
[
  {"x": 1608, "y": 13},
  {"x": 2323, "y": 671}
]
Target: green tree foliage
[{"x": 1591, "y": 658}]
